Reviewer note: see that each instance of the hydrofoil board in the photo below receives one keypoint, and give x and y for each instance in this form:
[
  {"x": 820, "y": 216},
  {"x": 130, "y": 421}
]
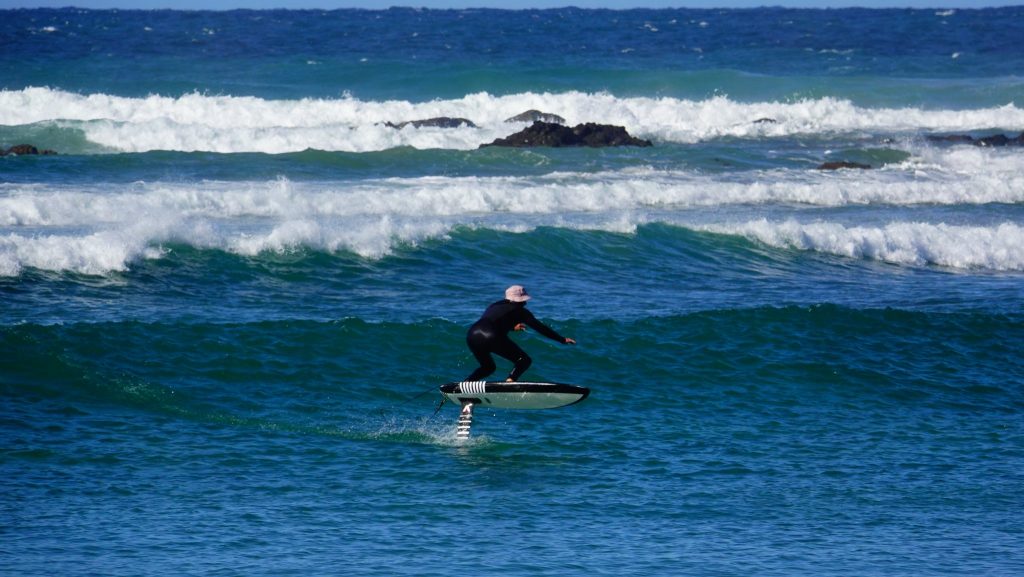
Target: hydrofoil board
[{"x": 516, "y": 395}]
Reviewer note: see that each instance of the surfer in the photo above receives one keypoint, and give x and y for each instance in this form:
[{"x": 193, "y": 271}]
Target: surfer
[{"x": 490, "y": 334}]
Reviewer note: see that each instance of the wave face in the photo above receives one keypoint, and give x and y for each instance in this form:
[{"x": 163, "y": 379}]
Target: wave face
[{"x": 227, "y": 303}]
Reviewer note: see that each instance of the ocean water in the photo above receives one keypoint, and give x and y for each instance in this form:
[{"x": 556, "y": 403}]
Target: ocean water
[{"x": 228, "y": 301}]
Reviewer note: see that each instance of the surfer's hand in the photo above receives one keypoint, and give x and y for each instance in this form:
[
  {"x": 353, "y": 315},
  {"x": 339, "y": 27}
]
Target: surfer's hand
[
  {"x": 569, "y": 341},
  {"x": 519, "y": 327}
]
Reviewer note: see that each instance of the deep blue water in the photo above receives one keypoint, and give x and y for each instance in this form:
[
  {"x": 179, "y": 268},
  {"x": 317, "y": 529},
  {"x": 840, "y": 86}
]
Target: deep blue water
[{"x": 228, "y": 300}]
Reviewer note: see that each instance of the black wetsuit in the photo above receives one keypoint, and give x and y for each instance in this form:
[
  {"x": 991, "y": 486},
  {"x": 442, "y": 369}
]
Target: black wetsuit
[{"x": 490, "y": 335}]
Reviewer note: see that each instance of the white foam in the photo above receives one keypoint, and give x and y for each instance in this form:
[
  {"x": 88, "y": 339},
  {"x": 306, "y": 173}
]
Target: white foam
[
  {"x": 107, "y": 227},
  {"x": 372, "y": 238},
  {"x": 96, "y": 253},
  {"x": 114, "y": 247},
  {"x": 971, "y": 179},
  {"x": 999, "y": 247},
  {"x": 199, "y": 122}
]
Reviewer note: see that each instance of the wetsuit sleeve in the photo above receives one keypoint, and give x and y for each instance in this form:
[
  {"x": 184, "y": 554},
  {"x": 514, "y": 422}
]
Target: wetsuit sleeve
[{"x": 532, "y": 322}]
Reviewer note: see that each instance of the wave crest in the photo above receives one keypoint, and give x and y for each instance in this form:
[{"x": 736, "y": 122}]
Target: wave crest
[{"x": 999, "y": 247}]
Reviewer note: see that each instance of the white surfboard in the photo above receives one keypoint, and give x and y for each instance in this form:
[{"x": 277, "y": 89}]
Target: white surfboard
[{"x": 517, "y": 395}]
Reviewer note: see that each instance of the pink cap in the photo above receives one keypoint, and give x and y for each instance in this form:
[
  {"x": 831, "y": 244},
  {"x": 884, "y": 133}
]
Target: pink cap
[{"x": 516, "y": 294}]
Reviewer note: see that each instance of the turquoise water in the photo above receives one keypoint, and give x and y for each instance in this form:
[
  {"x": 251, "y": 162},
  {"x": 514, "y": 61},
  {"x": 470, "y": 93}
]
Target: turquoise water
[{"x": 229, "y": 300}]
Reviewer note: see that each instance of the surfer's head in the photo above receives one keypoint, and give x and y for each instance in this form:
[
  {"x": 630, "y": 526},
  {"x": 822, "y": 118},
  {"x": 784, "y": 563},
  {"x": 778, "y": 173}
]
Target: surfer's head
[{"x": 517, "y": 294}]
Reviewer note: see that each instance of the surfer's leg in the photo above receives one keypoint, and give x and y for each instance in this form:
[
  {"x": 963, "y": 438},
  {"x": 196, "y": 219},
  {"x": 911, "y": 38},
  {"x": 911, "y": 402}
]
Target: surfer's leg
[
  {"x": 478, "y": 345},
  {"x": 511, "y": 351},
  {"x": 483, "y": 371}
]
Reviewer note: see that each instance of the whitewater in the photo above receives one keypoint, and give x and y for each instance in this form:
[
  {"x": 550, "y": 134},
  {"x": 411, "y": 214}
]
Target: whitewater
[
  {"x": 104, "y": 227},
  {"x": 228, "y": 124},
  {"x": 891, "y": 214}
]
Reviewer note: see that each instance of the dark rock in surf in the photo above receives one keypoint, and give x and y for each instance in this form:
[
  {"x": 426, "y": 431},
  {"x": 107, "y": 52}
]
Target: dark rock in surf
[
  {"x": 1001, "y": 140},
  {"x": 951, "y": 138},
  {"x": 838, "y": 165},
  {"x": 439, "y": 122},
  {"x": 994, "y": 141},
  {"x": 25, "y": 150},
  {"x": 536, "y": 116},
  {"x": 556, "y": 136}
]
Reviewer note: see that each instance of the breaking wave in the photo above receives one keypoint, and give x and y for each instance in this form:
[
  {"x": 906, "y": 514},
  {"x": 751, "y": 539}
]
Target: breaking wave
[
  {"x": 231, "y": 124},
  {"x": 104, "y": 228},
  {"x": 999, "y": 247}
]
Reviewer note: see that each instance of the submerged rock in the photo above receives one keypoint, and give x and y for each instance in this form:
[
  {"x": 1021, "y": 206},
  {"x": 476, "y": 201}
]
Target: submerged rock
[
  {"x": 837, "y": 165},
  {"x": 556, "y": 135},
  {"x": 536, "y": 116},
  {"x": 439, "y": 122}
]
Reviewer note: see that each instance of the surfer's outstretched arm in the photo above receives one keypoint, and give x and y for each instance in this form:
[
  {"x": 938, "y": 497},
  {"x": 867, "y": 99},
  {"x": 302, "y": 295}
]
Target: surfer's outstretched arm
[{"x": 545, "y": 330}]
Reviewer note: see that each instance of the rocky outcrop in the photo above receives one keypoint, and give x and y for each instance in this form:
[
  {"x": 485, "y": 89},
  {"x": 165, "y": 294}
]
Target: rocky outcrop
[
  {"x": 996, "y": 140},
  {"x": 25, "y": 150},
  {"x": 837, "y": 165},
  {"x": 536, "y": 116},
  {"x": 22, "y": 150},
  {"x": 439, "y": 122},
  {"x": 556, "y": 135}
]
